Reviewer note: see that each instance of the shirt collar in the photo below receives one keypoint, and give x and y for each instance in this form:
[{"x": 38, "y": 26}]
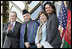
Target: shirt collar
[
  {"x": 44, "y": 24},
  {"x": 13, "y": 22}
]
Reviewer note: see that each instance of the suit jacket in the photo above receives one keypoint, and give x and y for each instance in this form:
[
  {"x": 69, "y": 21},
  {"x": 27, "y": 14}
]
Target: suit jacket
[
  {"x": 31, "y": 33},
  {"x": 12, "y": 38},
  {"x": 53, "y": 35}
]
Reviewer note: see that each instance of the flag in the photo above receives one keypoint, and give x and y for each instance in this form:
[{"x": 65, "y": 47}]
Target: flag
[
  {"x": 62, "y": 21},
  {"x": 67, "y": 41}
]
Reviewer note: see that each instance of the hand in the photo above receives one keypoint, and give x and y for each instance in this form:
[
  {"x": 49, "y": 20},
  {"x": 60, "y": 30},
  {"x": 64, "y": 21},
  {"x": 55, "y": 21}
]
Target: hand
[
  {"x": 9, "y": 27},
  {"x": 39, "y": 45},
  {"x": 27, "y": 44}
]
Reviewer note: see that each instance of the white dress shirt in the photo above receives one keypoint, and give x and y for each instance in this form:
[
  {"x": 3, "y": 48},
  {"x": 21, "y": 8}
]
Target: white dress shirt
[{"x": 13, "y": 23}]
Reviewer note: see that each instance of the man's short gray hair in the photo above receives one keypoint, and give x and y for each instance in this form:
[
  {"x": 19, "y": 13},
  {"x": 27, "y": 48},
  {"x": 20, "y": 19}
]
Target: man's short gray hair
[{"x": 13, "y": 12}]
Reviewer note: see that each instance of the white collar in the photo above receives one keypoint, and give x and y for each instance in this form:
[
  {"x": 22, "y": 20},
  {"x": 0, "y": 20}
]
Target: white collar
[
  {"x": 13, "y": 23},
  {"x": 44, "y": 24}
]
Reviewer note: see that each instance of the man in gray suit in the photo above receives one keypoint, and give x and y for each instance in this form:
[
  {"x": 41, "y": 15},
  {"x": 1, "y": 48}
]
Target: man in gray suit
[{"x": 12, "y": 30}]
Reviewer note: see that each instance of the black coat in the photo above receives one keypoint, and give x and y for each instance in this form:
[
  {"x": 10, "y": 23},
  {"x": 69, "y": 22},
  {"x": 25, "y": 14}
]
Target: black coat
[{"x": 53, "y": 35}]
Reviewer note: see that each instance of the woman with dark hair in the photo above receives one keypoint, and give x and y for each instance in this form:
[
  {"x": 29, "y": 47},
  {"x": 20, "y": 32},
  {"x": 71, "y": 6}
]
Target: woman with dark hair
[
  {"x": 53, "y": 35},
  {"x": 54, "y": 9}
]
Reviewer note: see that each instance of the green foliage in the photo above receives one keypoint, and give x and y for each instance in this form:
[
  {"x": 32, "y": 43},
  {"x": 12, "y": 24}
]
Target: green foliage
[{"x": 5, "y": 11}]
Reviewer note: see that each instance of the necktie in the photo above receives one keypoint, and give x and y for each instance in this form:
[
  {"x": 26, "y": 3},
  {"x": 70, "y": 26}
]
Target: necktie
[
  {"x": 25, "y": 35},
  {"x": 12, "y": 27}
]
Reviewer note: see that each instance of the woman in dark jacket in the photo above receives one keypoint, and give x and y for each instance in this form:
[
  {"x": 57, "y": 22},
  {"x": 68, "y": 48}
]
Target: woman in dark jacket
[{"x": 52, "y": 33}]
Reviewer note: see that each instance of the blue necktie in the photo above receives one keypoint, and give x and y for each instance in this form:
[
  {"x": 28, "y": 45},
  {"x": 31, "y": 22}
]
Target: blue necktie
[{"x": 12, "y": 27}]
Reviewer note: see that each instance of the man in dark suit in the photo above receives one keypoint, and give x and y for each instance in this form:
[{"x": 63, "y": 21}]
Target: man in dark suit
[{"x": 12, "y": 30}]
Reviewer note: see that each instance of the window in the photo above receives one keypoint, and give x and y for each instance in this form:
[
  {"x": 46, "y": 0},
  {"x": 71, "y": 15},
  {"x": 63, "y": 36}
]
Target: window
[{"x": 17, "y": 6}]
